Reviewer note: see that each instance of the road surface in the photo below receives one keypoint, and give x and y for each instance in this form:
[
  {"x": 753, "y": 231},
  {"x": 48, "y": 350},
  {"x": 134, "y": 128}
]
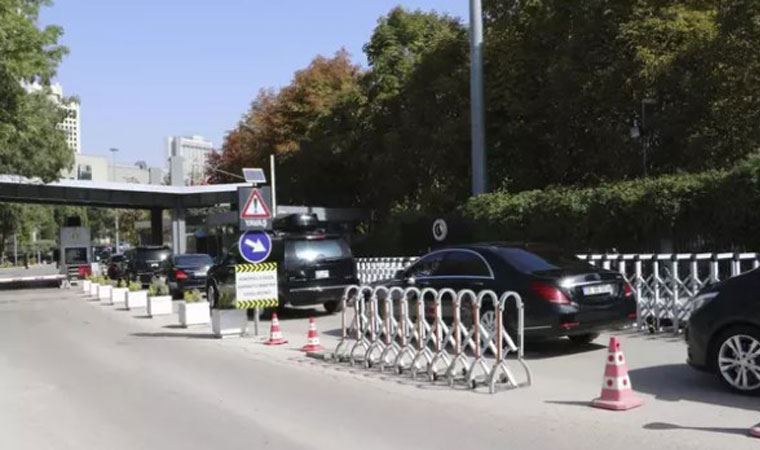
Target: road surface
[{"x": 78, "y": 375}]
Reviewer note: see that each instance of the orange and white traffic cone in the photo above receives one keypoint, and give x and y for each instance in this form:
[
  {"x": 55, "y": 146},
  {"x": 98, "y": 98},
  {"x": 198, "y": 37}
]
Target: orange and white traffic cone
[
  {"x": 312, "y": 338},
  {"x": 275, "y": 335},
  {"x": 755, "y": 431},
  {"x": 617, "y": 392}
]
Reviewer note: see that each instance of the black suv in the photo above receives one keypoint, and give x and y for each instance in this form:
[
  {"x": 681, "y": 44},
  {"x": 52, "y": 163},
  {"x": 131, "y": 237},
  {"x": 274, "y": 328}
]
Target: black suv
[
  {"x": 143, "y": 263},
  {"x": 314, "y": 267}
]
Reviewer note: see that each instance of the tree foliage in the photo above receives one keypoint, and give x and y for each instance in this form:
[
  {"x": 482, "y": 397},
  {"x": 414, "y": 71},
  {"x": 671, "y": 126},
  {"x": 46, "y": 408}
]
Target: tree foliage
[
  {"x": 30, "y": 144},
  {"x": 565, "y": 84}
]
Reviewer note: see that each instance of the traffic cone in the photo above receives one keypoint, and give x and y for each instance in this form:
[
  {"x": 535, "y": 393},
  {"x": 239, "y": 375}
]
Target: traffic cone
[
  {"x": 275, "y": 335},
  {"x": 755, "y": 431},
  {"x": 312, "y": 338},
  {"x": 617, "y": 393}
]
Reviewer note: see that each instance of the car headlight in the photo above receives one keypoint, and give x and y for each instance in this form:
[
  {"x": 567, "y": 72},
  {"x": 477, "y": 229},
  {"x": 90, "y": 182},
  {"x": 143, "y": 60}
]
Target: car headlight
[{"x": 702, "y": 299}]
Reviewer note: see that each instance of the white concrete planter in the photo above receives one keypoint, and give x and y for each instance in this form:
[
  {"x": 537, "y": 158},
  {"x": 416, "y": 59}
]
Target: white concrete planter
[
  {"x": 193, "y": 313},
  {"x": 86, "y": 286},
  {"x": 159, "y": 305},
  {"x": 119, "y": 296},
  {"x": 228, "y": 322},
  {"x": 104, "y": 294},
  {"x": 136, "y": 299},
  {"x": 94, "y": 289}
]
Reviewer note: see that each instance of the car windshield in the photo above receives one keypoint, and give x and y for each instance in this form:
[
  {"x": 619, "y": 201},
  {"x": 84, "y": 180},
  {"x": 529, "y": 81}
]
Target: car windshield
[
  {"x": 193, "y": 260},
  {"x": 532, "y": 262},
  {"x": 321, "y": 249}
]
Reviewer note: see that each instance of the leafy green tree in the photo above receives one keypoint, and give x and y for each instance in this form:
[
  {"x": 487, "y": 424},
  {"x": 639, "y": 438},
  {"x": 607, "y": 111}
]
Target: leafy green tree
[{"x": 30, "y": 144}]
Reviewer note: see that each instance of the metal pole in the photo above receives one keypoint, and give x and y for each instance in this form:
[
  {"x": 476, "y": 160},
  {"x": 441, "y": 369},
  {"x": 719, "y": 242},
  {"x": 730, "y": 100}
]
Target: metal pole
[
  {"x": 116, "y": 250},
  {"x": 256, "y": 313},
  {"x": 15, "y": 249},
  {"x": 274, "y": 186},
  {"x": 478, "y": 157}
]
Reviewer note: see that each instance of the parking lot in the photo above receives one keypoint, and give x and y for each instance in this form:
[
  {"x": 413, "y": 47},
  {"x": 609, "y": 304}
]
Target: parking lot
[{"x": 76, "y": 374}]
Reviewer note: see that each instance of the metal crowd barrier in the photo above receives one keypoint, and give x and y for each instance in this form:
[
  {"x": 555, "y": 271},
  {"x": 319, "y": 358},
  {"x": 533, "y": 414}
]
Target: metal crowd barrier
[
  {"x": 384, "y": 331},
  {"x": 664, "y": 283}
]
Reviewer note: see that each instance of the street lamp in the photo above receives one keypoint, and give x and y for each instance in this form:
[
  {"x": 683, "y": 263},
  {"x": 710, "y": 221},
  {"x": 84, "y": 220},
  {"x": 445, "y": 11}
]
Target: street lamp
[
  {"x": 113, "y": 178},
  {"x": 477, "y": 113}
]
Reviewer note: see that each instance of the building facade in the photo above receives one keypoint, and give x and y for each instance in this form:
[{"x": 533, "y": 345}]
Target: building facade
[
  {"x": 72, "y": 123},
  {"x": 194, "y": 151},
  {"x": 100, "y": 168}
]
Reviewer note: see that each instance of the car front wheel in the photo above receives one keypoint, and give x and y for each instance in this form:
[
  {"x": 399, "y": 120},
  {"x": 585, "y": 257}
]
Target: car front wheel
[
  {"x": 333, "y": 306},
  {"x": 736, "y": 356}
]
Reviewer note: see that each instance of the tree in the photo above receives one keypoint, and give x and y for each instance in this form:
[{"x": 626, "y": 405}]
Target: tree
[
  {"x": 30, "y": 144},
  {"x": 280, "y": 122}
]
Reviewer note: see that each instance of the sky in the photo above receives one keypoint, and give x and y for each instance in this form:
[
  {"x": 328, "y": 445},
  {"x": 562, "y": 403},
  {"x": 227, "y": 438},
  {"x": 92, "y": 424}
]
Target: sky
[{"x": 147, "y": 69}]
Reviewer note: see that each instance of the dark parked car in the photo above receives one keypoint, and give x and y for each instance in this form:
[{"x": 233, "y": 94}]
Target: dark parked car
[
  {"x": 314, "y": 267},
  {"x": 563, "y": 295},
  {"x": 723, "y": 334},
  {"x": 117, "y": 265},
  {"x": 186, "y": 272},
  {"x": 144, "y": 263}
]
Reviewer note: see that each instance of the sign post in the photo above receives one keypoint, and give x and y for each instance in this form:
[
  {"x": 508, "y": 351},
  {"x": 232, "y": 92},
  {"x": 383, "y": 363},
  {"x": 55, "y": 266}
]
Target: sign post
[{"x": 253, "y": 282}]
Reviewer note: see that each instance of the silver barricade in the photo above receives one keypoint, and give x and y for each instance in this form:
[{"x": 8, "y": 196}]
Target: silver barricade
[
  {"x": 406, "y": 333},
  {"x": 391, "y": 329},
  {"x": 478, "y": 364},
  {"x": 348, "y": 299},
  {"x": 442, "y": 336},
  {"x": 360, "y": 323},
  {"x": 500, "y": 371},
  {"x": 376, "y": 345},
  {"x": 459, "y": 331},
  {"x": 423, "y": 356}
]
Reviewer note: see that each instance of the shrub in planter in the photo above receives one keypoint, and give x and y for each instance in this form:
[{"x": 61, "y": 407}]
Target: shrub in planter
[
  {"x": 226, "y": 320},
  {"x": 159, "y": 299},
  {"x": 119, "y": 293},
  {"x": 193, "y": 310},
  {"x": 137, "y": 297}
]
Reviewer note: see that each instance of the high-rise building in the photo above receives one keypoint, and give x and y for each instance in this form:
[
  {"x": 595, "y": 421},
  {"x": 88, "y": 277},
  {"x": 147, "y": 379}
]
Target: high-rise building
[
  {"x": 71, "y": 124},
  {"x": 194, "y": 151}
]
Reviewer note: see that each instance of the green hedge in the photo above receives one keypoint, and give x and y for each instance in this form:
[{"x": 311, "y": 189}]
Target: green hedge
[{"x": 714, "y": 210}]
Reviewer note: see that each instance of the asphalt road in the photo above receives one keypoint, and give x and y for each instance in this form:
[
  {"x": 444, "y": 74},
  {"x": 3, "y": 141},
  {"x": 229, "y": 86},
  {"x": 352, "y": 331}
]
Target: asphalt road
[{"x": 74, "y": 374}]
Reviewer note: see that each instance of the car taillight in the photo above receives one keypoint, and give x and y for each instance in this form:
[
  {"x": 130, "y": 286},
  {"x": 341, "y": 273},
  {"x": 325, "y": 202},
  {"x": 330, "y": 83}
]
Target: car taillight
[
  {"x": 180, "y": 275},
  {"x": 627, "y": 289},
  {"x": 550, "y": 293}
]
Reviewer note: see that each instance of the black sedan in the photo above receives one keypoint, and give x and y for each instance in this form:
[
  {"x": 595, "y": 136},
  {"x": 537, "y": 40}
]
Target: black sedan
[
  {"x": 724, "y": 332},
  {"x": 186, "y": 272},
  {"x": 563, "y": 295}
]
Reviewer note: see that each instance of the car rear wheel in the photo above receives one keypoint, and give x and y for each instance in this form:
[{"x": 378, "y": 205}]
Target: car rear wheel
[
  {"x": 333, "y": 306},
  {"x": 736, "y": 357},
  {"x": 211, "y": 295},
  {"x": 583, "y": 339}
]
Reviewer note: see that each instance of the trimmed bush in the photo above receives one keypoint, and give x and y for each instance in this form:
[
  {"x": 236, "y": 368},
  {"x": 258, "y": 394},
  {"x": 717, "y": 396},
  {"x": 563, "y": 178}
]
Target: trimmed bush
[{"x": 714, "y": 210}]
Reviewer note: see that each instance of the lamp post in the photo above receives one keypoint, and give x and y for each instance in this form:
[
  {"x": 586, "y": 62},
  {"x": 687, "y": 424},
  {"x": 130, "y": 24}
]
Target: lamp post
[
  {"x": 113, "y": 178},
  {"x": 477, "y": 113}
]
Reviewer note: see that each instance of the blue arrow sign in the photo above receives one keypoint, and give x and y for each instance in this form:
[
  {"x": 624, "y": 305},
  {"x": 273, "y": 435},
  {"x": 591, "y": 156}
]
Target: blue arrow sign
[{"x": 255, "y": 246}]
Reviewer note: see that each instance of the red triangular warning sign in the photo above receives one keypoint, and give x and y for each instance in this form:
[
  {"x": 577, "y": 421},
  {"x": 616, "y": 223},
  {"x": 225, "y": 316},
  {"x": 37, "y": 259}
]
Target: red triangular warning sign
[{"x": 255, "y": 207}]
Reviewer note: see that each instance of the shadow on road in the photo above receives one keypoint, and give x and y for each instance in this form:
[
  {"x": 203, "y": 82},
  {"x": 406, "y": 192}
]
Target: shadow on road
[
  {"x": 294, "y": 314},
  {"x": 677, "y": 382},
  {"x": 179, "y": 335},
  {"x": 558, "y": 347},
  {"x": 661, "y": 426}
]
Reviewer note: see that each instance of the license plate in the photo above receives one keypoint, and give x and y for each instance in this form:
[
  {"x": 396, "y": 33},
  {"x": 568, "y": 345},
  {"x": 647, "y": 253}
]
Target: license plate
[
  {"x": 154, "y": 265},
  {"x": 319, "y": 274},
  {"x": 602, "y": 289},
  {"x": 200, "y": 274}
]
